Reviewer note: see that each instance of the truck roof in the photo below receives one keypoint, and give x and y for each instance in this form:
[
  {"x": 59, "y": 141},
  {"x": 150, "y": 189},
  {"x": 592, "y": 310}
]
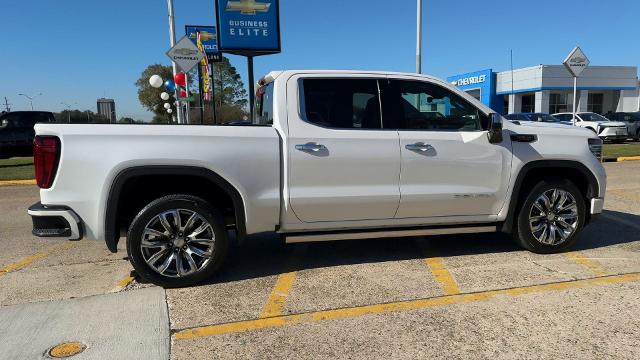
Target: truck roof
[{"x": 271, "y": 76}]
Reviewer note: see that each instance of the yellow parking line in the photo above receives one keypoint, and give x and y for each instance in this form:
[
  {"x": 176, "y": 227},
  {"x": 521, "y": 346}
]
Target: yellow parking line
[
  {"x": 28, "y": 260},
  {"x": 439, "y": 271},
  {"x": 124, "y": 282},
  {"x": 278, "y": 297},
  {"x": 342, "y": 313},
  {"x": 17, "y": 182},
  {"x": 590, "y": 264}
]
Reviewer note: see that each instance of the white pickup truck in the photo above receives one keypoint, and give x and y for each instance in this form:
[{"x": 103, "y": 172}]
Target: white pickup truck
[{"x": 330, "y": 155}]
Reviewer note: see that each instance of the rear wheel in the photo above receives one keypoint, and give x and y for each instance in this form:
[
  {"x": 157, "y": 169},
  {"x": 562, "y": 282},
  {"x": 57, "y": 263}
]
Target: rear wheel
[
  {"x": 551, "y": 217},
  {"x": 177, "y": 240}
]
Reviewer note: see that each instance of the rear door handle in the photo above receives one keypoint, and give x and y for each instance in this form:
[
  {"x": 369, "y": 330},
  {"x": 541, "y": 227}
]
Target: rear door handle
[
  {"x": 419, "y": 146},
  {"x": 310, "y": 146}
]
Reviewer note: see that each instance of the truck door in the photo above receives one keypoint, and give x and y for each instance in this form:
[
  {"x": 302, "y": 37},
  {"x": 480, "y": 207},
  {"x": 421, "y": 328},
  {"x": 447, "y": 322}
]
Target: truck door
[
  {"x": 449, "y": 168},
  {"x": 342, "y": 164}
]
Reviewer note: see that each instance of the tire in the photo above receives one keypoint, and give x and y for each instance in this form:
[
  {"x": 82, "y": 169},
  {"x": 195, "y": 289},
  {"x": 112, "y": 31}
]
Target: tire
[
  {"x": 530, "y": 229},
  {"x": 618, "y": 141},
  {"x": 181, "y": 259}
]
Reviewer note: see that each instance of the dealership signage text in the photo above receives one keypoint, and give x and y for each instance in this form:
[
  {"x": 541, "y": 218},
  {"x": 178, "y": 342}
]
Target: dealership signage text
[{"x": 471, "y": 80}]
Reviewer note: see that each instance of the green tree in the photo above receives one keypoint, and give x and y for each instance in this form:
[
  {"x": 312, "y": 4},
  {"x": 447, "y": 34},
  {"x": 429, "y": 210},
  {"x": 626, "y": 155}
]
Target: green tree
[
  {"x": 230, "y": 95},
  {"x": 150, "y": 97}
]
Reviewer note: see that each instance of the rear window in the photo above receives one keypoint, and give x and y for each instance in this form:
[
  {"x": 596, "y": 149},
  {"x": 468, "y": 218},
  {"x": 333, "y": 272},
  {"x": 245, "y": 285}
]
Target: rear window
[
  {"x": 342, "y": 103},
  {"x": 263, "y": 112},
  {"x": 26, "y": 119}
]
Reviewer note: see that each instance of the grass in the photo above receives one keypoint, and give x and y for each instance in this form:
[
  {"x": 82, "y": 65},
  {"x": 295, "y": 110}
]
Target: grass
[
  {"x": 617, "y": 150},
  {"x": 20, "y": 168}
]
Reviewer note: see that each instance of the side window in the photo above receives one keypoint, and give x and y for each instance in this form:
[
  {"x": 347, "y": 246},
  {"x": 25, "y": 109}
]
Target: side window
[
  {"x": 342, "y": 103},
  {"x": 417, "y": 105},
  {"x": 263, "y": 112}
]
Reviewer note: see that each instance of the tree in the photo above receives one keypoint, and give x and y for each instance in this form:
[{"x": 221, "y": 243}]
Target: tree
[
  {"x": 230, "y": 95},
  {"x": 149, "y": 96}
]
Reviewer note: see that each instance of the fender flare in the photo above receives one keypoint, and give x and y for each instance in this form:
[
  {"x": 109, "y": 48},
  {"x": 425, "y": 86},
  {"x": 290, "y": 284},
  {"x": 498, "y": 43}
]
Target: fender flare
[
  {"x": 111, "y": 230},
  {"x": 592, "y": 188}
]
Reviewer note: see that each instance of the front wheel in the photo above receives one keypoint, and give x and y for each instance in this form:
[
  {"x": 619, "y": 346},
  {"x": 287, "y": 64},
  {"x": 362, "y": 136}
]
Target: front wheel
[
  {"x": 551, "y": 217},
  {"x": 177, "y": 240}
]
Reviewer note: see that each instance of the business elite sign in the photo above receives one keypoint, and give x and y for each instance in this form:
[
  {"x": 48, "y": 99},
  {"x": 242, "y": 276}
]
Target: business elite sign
[{"x": 248, "y": 27}]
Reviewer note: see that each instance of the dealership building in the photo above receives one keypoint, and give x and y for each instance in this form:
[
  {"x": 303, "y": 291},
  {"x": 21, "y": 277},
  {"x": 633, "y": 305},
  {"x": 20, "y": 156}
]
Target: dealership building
[{"x": 549, "y": 89}]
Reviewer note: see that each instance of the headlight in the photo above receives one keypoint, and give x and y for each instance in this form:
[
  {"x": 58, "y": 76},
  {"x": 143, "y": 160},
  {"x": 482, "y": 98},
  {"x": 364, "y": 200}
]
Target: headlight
[{"x": 595, "y": 145}]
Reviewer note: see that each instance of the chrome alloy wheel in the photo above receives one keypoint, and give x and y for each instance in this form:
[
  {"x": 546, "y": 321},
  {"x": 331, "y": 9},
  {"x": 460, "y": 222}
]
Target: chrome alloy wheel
[
  {"x": 177, "y": 243},
  {"x": 553, "y": 217}
]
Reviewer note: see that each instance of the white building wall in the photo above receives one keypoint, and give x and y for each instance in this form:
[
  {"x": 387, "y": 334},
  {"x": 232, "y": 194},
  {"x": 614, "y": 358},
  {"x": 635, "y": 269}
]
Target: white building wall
[
  {"x": 542, "y": 101},
  {"x": 629, "y": 100}
]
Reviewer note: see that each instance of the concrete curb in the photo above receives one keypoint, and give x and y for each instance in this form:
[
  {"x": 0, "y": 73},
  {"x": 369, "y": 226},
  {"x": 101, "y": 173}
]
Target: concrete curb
[
  {"x": 17, "y": 182},
  {"x": 622, "y": 158}
]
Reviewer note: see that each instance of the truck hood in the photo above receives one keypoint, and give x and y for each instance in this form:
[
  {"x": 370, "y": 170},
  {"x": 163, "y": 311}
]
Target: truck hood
[{"x": 536, "y": 124}]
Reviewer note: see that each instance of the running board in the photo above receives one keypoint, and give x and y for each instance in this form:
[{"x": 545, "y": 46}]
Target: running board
[{"x": 371, "y": 234}]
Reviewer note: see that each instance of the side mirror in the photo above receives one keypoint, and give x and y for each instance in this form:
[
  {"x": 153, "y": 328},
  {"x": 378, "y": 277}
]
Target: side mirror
[
  {"x": 4, "y": 123},
  {"x": 495, "y": 128}
]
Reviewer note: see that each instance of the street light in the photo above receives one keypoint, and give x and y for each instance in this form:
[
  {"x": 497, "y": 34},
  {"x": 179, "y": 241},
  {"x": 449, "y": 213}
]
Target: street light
[
  {"x": 31, "y": 98},
  {"x": 419, "y": 38},
  {"x": 68, "y": 110}
]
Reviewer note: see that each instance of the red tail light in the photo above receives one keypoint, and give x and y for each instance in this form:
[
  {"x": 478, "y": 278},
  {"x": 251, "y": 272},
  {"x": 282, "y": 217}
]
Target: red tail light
[{"x": 46, "y": 154}]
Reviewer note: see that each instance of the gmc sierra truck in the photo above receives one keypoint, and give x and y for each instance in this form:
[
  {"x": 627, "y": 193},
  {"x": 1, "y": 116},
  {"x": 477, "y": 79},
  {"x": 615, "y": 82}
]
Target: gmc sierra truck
[{"x": 329, "y": 155}]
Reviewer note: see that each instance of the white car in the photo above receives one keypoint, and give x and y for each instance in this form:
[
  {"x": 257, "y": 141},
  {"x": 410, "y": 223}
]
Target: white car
[
  {"x": 605, "y": 128},
  {"x": 330, "y": 155}
]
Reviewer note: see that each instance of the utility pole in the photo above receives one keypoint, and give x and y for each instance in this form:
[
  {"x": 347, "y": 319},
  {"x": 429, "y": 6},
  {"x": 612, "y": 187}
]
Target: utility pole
[
  {"x": 172, "y": 42},
  {"x": 419, "y": 39},
  {"x": 6, "y": 105}
]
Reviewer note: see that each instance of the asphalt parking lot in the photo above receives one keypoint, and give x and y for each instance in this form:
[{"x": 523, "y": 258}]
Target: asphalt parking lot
[{"x": 463, "y": 296}]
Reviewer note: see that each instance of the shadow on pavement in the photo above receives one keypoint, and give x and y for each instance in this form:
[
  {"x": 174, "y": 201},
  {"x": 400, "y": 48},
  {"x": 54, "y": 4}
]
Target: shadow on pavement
[{"x": 267, "y": 255}]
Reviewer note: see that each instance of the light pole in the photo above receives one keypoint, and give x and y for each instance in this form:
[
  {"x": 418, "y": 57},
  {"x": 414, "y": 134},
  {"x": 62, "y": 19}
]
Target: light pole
[
  {"x": 172, "y": 42},
  {"x": 31, "y": 98},
  {"x": 68, "y": 110},
  {"x": 419, "y": 39}
]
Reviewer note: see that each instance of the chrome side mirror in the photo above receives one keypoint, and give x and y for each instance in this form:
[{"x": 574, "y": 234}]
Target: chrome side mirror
[{"x": 495, "y": 128}]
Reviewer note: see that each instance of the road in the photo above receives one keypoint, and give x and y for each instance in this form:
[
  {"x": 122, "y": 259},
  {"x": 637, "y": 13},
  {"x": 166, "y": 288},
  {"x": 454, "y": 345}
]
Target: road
[{"x": 461, "y": 296}]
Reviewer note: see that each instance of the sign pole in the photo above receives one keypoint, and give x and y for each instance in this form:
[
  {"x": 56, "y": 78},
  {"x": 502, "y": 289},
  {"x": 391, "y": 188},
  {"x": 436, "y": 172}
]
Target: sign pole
[
  {"x": 251, "y": 86},
  {"x": 575, "y": 88},
  {"x": 419, "y": 39},
  {"x": 201, "y": 87},
  {"x": 172, "y": 42}
]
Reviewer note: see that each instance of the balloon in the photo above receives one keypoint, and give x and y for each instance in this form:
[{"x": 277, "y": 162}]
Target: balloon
[
  {"x": 180, "y": 79},
  {"x": 169, "y": 111},
  {"x": 167, "y": 106},
  {"x": 155, "y": 81},
  {"x": 164, "y": 96},
  {"x": 183, "y": 93},
  {"x": 170, "y": 85}
]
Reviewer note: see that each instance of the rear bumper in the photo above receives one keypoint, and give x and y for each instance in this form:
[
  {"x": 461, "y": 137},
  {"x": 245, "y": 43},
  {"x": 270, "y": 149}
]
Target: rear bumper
[{"x": 55, "y": 221}]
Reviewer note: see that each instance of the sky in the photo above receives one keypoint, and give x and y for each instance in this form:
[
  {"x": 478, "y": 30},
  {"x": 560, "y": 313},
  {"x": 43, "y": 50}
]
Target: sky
[{"x": 75, "y": 51}]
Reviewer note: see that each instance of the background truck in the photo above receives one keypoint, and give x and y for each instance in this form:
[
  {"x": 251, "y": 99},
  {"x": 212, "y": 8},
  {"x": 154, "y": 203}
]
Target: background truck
[{"x": 330, "y": 155}]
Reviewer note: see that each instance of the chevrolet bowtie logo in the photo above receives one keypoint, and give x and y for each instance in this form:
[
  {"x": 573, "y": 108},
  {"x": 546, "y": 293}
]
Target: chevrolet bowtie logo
[
  {"x": 204, "y": 36},
  {"x": 247, "y": 7}
]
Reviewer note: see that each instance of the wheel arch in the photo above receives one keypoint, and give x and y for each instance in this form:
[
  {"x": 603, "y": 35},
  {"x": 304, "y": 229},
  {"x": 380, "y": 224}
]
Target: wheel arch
[
  {"x": 539, "y": 169},
  {"x": 124, "y": 177}
]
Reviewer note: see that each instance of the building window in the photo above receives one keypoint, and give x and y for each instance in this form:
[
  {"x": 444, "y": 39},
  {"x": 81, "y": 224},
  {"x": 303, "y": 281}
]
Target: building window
[
  {"x": 505, "y": 104},
  {"x": 474, "y": 93},
  {"x": 557, "y": 103},
  {"x": 594, "y": 103},
  {"x": 528, "y": 103}
]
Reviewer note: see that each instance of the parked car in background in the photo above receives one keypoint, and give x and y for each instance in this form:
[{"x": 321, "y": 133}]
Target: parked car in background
[
  {"x": 631, "y": 119},
  {"x": 605, "y": 128},
  {"x": 17, "y": 133},
  {"x": 537, "y": 117}
]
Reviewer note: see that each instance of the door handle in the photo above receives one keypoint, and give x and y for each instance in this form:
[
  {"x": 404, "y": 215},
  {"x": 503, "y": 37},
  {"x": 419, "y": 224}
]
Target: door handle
[
  {"x": 310, "y": 146},
  {"x": 419, "y": 146}
]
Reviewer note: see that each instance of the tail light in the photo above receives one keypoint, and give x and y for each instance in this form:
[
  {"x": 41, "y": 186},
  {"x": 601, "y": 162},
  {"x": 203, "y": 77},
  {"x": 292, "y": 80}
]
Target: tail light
[{"x": 46, "y": 155}]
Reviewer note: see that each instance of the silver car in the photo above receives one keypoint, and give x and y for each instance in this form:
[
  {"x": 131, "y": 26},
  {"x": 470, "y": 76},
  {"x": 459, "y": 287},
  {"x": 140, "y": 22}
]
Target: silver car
[{"x": 631, "y": 119}]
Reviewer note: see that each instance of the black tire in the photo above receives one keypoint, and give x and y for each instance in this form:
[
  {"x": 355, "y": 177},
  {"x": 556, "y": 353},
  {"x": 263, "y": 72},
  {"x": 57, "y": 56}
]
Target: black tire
[
  {"x": 524, "y": 235},
  {"x": 619, "y": 141},
  {"x": 186, "y": 203}
]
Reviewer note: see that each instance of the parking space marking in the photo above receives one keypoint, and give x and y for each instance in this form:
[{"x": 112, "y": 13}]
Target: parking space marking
[
  {"x": 28, "y": 260},
  {"x": 588, "y": 263},
  {"x": 278, "y": 297},
  {"x": 124, "y": 282},
  {"x": 342, "y": 313},
  {"x": 439, "y": 271}
]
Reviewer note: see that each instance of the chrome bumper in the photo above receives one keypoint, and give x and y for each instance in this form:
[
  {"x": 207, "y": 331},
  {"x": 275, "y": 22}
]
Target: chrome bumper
[{"x": 55, "y": 221}]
